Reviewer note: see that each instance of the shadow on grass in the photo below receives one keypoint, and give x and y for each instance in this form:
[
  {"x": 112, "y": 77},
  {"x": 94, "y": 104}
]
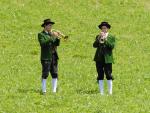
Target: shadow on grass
[
  {"x": 83, "y": 91},
  {"x": 29, "y": 91},
  {"x": 98, "y": 111},
  {"x": 79, "y": 56}
]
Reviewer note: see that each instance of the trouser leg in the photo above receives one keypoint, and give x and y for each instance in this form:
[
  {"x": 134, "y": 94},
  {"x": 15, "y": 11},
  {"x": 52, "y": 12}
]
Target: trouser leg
[
  {"x": 108, "y": 72},
  {"x": 100, "y": 78},
  {"x": 100, "y": 70},
  {"x": 54, "y": 73},
  {"x": 45, "y": 72}
]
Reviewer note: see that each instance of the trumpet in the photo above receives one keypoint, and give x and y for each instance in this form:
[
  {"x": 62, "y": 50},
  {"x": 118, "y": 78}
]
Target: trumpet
[
  {"x": 102, "y": 38},
  {"x": 60, "y": 34}
]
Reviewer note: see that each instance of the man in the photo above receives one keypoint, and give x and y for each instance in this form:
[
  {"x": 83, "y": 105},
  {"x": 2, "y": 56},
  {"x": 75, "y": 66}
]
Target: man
[
  {"x": 105, "y": 43},
  {"x": 49, "y": 41}
]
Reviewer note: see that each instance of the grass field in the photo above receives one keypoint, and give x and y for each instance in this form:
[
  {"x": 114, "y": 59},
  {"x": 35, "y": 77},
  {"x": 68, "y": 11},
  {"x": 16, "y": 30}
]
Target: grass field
[{"x": 20, "y": 69}]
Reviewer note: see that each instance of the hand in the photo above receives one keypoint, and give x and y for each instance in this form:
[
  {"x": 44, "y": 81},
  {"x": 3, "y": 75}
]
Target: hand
[
  {"x": 102, "y": 37},
  {"x": 102, "y": 34},
  {"x": 56, "y": 34}
]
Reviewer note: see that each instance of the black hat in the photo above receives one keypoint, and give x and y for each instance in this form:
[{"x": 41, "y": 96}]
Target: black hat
[
  {"x": 104, "y": 24},
  {"x": 46, "y": 22}
]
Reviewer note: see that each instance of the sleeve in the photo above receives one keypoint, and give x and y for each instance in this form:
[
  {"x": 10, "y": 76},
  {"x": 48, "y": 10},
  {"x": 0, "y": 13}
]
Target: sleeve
[
  {"x": 110, "y": 43},
  {"x": 96, "y": 43},
  {"x": 56, "y": 42},
  {"x": 42, "y": 40}
]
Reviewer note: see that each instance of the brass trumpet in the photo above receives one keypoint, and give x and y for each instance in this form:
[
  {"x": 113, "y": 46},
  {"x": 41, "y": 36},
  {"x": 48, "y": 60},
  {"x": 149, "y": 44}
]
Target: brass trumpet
[
  {"x": 102, "y": 38},
  {"x": 61, "y": 35}
]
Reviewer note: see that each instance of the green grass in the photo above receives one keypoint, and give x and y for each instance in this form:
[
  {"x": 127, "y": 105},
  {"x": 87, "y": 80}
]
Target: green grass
[{"x": 20, "y": 69}]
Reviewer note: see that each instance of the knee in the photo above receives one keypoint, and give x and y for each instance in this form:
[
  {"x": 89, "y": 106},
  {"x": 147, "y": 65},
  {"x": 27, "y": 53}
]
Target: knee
[
  {"x": 44, "y": 75},
  {"x": 55, "y": 75},
  {"x": 109, "y": 77},
  {"x": 100, "y": 78}
]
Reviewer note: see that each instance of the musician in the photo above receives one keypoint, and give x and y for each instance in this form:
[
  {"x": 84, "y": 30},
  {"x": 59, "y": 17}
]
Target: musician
[
  {"x": 49, "y": 57},
  {"x": 105, "y": 43}
]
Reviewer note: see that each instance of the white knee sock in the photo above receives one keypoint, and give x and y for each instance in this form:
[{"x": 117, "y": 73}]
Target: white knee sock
[
  {"x": 44, "y": 85},
  {"x": 54, "y": 84},
  {"x": 109, "y": 86},
  {"x": 101, "y": 87}
]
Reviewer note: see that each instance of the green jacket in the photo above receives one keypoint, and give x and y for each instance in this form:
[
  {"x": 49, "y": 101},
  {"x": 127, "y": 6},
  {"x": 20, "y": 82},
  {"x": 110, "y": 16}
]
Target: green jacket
[
  {"x": 47, "y": 42},
  {"x": 104, "y": 51}
]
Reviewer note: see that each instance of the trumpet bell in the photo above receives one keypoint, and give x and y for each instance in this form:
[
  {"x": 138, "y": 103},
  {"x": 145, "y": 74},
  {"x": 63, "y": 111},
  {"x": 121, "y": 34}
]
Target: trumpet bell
[{"x": 66, "y": 37}]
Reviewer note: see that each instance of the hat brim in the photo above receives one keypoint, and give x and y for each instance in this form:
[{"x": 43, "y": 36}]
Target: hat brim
[
  {"x": 47, "y": 23},
  {"x": 107, "y": 25}
]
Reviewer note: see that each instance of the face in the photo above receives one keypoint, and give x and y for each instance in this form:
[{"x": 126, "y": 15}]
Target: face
[
  {"x": 48, "y": 27},
  {"x": 104, "y": 29}
]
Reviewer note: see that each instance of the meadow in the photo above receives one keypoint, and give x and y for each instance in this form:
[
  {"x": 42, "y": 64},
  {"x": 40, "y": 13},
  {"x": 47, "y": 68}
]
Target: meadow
[{"x": 20, "y": 68}]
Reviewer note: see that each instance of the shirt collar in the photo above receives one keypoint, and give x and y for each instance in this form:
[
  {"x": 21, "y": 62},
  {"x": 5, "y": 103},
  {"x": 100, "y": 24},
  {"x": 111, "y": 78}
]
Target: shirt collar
[{"x": 45, "y": 32}]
